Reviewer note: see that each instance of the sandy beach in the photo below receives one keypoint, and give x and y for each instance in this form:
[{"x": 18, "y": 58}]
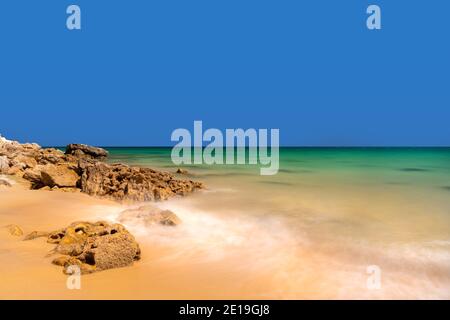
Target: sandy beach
[{"x": 166, "y": 270}]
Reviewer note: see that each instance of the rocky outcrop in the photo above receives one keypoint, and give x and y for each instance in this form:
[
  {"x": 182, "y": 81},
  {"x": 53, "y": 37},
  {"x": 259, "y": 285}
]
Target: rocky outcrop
[
  {"x": 149, "y": 215},
  {"x": 81, "y": 168},
  {"x": 85, "y": 151},
  {"x": 92, "y": 246},
  {"x": 122, "y": 182}
]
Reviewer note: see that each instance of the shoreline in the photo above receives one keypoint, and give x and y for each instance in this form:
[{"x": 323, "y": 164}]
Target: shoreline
[{"x": 89, "y": 246}]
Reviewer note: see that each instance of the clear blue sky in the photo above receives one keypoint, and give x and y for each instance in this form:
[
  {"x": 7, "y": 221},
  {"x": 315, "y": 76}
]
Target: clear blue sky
[{"x": 141, "y": 68}]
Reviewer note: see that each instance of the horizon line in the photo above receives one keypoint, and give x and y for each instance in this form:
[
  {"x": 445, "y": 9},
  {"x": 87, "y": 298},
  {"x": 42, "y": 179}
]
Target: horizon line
[{"x": 293, "y": 147}]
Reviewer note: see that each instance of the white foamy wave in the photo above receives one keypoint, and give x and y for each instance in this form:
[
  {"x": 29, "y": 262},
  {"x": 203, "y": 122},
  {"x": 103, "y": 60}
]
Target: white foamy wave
[
  {"x": 220, "y": 190},
  {"x": 106, "y": 212},
  {"x": 208, "y": 236}
]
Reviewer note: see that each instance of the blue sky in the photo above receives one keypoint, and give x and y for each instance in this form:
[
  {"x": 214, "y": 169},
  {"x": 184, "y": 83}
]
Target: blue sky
[{"x": 140, "y": 69}]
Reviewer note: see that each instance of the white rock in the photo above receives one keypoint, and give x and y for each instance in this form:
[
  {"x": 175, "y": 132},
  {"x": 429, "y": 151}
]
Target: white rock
[{"x": 4, "y": 141}]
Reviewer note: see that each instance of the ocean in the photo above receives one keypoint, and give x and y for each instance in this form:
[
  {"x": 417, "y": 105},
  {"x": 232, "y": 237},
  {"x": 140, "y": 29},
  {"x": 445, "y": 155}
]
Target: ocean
[{"x": 318, "y": 227}]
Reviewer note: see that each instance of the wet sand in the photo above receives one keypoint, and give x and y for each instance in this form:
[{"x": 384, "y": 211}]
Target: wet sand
[
  {"x": 165, "y": 272},
  {"x": 259, "y": 243}
]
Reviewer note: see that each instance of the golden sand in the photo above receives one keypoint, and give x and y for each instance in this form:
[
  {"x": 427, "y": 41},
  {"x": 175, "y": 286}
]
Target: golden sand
[
  {"x": 162, "y": 274},
  {"x": 224, "y": 251}
]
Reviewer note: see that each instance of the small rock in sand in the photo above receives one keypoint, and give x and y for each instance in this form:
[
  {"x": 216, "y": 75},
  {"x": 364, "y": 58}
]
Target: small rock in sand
[
  {"x": 149, "y": 215},
  {"x": 15, "y": 230}
]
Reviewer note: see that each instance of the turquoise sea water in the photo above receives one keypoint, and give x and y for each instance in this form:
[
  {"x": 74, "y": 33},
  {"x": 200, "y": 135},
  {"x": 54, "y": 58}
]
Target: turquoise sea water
[
  {"x": 326, "y": 215},
  {"x": 428, "y": 168}
]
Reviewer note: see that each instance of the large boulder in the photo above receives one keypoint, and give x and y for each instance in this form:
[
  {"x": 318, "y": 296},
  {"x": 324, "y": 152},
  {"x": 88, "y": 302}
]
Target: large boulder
[
  {"x": 34, "y": 176},
  {"x": 62, "y": 176},
  {"x": 93, "y": 246},
  {"x": 85, "y": 151},
  {"x": 117, "y": 250}
]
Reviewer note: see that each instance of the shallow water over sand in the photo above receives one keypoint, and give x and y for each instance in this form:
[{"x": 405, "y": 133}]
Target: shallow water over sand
[{"x": 309, "y": 232}]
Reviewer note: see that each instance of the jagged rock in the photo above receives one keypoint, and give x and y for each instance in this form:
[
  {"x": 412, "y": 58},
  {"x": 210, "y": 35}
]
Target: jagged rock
[
  {"x": 182, "y": 171},
  {"x": 24, "y": 162},
  {"x": 59, "y": 175},
  {"x": 34, "y": 176},
  {"x": 94, "y": 246},
  {"x": 80, "y": 169},
  {"x": 35, "y": 235},
  {"x": 122, "y": 182},
  {"x": 4, "y": 164},
  {"x": 50, "y": 175},
  {"x": 55, "y": 237},
  {"x": 62, "y": 261},
  {"x": 85, "y": 151},
  {"x": 149, "y": 215},
  {"x": 111, "y": 251},
  {"x": 15, "y": 230},
  {"x": 52, "y": 156},
  {"x": 83, "y": 267}
]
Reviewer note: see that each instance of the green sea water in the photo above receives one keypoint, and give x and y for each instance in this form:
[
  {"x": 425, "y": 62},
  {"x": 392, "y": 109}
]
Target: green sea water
[
  {"x": 414, "y": 167},
  {"x": 327, "y": 215}
]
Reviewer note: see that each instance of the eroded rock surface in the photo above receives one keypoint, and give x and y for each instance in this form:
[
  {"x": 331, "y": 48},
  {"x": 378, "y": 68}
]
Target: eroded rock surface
[
  {"x": 85, "y": 151},
  {"x": 122, "y": 182},
  {"x": 92, "y": 246}
]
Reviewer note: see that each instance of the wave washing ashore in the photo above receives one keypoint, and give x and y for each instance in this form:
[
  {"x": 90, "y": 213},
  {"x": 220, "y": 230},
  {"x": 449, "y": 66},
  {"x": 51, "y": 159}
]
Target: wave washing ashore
[
  {"x": 309, "y": 232},
  {"x": 86, "y": 247}
]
